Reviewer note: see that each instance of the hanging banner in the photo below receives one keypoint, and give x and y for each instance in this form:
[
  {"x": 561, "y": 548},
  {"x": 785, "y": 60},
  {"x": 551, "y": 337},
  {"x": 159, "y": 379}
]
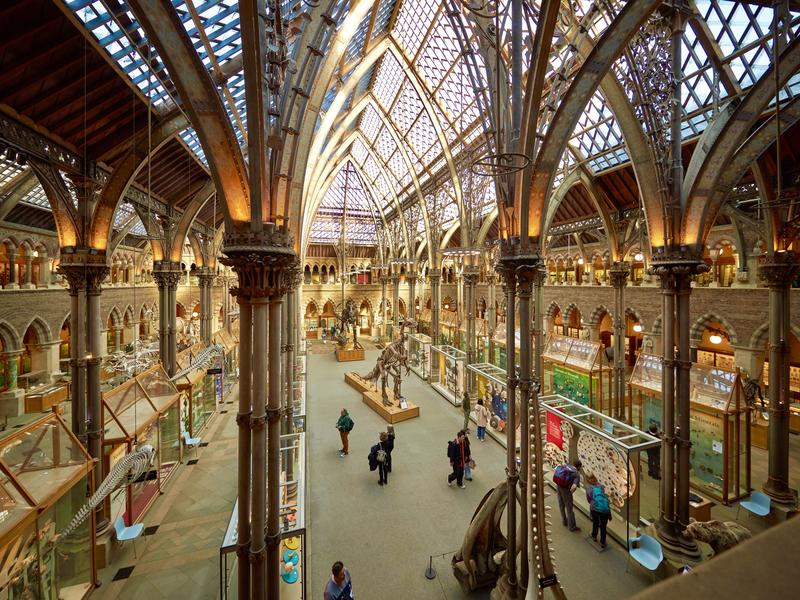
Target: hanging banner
[{"x": 554, "y": 433}]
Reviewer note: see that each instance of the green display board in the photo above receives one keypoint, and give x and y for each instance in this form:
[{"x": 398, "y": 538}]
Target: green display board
[
  {"x": 571, "y": 384},
  {"x": 706, "y": 454}
]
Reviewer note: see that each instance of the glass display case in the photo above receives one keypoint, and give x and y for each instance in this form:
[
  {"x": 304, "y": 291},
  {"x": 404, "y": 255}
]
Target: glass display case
[
  {"x": 143, "y": 410},
  {"x": 44, "y": 477},
  {"x": 490, "y": 384},
  {"x": 202, "y": 393},
  {"x": 719, "y": 420},
  {"x": 448, "y": 372},
  {"x": 608, "y": 449},
  {"x": 230, "y": 364},
  {"x": 577, "y": 369},
  {"x": 419, "y": 352},
  {"x": 294, "y": 584}
]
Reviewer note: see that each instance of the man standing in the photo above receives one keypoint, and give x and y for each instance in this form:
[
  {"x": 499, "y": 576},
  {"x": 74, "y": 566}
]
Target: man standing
[
  {"x": 567, "y": 479},
  {"x": 345, "y": 426},
  {"x": 458, "y": 454},
  {"x": 340, "y": 585}
]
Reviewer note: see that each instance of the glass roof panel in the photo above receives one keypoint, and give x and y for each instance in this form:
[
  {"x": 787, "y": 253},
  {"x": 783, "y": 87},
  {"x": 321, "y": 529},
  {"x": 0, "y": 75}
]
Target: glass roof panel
[
  {"x": 349, "y": 200},
  {"x": 413, "y": 20},
  {"x": 382, "y": 17}
]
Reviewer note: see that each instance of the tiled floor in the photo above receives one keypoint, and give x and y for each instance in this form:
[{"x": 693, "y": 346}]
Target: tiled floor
[{"x": 181, "y": 558}]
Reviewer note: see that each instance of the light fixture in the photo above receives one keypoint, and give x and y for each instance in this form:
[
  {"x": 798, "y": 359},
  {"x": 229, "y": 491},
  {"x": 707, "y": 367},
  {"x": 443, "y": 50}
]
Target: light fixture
[
  {"x": 194, "y": 314},
  {"x": 638, "y": 257},
  {"x": 715, "y": 338},
  {"x": 35, "y": 254},
  {"x": 446, "y": 306},
  {"x": 637, "y": 328},
  {"x": 580, "y": 260}
]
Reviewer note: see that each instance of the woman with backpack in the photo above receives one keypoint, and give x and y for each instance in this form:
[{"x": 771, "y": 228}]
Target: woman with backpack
[
  {"x": 345, "y": 425},
  {"x": 599, "y": 507},
  {"x": 383, "y": 457}
]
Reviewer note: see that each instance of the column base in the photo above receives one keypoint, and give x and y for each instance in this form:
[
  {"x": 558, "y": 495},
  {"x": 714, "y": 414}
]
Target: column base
[
  {"x": 678, "y": 549},
  {"x": 11, "y": 286},
  {"x": 780, "y": 493},
  {"x": 27, "y": 286}
]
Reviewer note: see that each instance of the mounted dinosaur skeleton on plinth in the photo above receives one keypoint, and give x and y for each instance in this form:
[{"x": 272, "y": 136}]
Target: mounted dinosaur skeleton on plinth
[
  {"x": 348, "y": 318},
  {"x": 391, "y": 361}
]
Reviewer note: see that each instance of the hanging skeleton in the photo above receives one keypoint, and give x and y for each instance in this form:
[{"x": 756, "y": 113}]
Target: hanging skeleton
[
  {"x": 200, "y": 360},
  {"x": 124, "y": 473}
]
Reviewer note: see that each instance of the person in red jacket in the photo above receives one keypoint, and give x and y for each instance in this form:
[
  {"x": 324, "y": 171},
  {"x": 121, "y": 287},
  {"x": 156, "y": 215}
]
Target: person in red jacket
[{"x": 458, "y": 453}]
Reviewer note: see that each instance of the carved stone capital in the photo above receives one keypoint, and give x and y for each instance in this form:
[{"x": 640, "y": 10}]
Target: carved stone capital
[
  {"x": 618, "y": 274},
  {"x": 205, "y": 276},
  {"x": 778, "y": 271},
  {"x": 671, "y": 262},
  {"x": 265, "y": 263},
  {"x": 84, "y": 269},
  {"x": 166, "y": 274}
]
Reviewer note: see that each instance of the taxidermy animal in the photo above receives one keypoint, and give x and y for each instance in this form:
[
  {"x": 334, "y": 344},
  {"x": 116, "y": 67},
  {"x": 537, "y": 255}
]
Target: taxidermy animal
[
  {"x": 124, "y": 473},
  {"x": 391, "y": 361},
  {"x": 720, "y": 536}
]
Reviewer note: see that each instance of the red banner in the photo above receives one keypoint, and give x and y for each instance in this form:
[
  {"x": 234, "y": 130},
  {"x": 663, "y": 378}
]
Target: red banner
[{"x": 554, "y": 434}]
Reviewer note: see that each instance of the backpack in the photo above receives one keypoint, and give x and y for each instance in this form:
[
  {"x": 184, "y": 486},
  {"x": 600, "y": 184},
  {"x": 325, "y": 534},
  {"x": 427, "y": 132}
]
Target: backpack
[
  {"x": 350, "y": 425},
  {"x": 600, "y": 500},
  {"x": 564, "y": 475},
  {"x": 380, "y": 455}
]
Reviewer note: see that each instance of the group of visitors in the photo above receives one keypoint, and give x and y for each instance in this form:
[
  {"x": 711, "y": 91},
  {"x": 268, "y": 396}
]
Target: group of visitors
[
  {"x": 567, "y": 478},
  {"x": 460, "y": 456}
]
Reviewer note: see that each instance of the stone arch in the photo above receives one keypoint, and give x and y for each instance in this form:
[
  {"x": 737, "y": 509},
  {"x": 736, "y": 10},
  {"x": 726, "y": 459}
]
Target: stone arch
[
  {"x": 369, "y": 304},
  {"x": 656, "y": 329},
  {"x": 128, "y": 316},
  {"x": 115, "y": 316},
  {"x": 41, "y": 328},
  {"x": 553, "y": 310},
  {"x": 597, "y": 315},
  {"x": 634, "y": 315},
  {"x": 705, "y": 320},
  {"x": 572, "y": 307},
  {"x": 9, "y": 336}
]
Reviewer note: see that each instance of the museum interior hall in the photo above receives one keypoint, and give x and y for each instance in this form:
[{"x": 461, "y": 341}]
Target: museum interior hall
[{"x": 271, "y": 270}]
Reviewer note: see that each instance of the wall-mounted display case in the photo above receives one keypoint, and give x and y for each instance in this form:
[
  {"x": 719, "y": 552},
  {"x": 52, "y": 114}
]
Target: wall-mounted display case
[
  {"x": 44, "y": 477},
  {"x": 293, "y": 550},
  {"x": 419, "y": 354},
  {"x": 448, "y": 372},
  {"x": 577, "y": 369},
  {"x": 608, "y": 449},
  {"x": 143, "y": 410},
  {"x": 719, "y": 420}
]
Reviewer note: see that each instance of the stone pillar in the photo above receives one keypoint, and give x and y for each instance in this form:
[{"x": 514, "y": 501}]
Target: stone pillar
[
  {"x": 265, "y": 276},
  {"x": 167, "y": 274},
  {"x": 47, "y": 359},
  {"x": 76, "y": 279},
  {"x": 12, "y": 401},
  {"x": 619, "y": 278},
  {"x": 44, "y": 271},
  {"x": 12, "y": 269},
  {"x": 436, "y": 302},
  {"x": 96, "y": 349},
  {"x": 384, "y": 280},
  {"x": 777, "y": 271},
  {"x": 491, "y": 312},
  {"x": 411, "y": 280},
  {"x": 205, "y": 277},
  {"x": 28, "y": 272},
  {"x": 470, "y": 278},
  {"x": 396, "y": 301},
  {"x": 117, "y": 339}
]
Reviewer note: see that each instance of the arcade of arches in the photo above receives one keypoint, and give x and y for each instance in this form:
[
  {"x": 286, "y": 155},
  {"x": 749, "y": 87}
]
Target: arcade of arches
[{"x": 575, "y": 224}]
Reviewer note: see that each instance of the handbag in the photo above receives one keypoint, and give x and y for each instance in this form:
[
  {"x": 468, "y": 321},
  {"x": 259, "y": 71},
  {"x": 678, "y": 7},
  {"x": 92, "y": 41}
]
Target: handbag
[{"x": 467, "y": 472}]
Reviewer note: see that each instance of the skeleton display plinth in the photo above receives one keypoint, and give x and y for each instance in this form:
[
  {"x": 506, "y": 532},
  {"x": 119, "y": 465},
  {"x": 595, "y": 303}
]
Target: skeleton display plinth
[
  {"x": 347, "y": 354},
  {"x": 391, "y": 414},
  {"x": 357, "y": 382}
]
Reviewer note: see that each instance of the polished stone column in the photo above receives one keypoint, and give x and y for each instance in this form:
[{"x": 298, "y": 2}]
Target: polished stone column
[
  {"x": 470, "y": 277},
  {"x": 44, "y": 271},
  {"x": 205, "y": 277},
  {"x": 411, "y": 280},
  {"x": 167, "y": 274},
  {"x": 396, "y": 301},
  {"x": 28, "y": 272},
  {"x": 436, "y": 302},
  {"x": 777, "y": 272},
  {"x": 619, "y": 278},
  {"x": 118, "y": 339},
  {"x": 384, "y": 279},
  {"x": 12, "y": 268},
  {"x": 76, "y": 278}
]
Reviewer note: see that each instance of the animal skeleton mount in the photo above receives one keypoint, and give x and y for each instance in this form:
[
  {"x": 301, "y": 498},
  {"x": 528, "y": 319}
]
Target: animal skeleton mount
[
  {"x": 124, "y": 473},
  {"x": 348, "y": 319},
  {"x": 143, "y": 356},
  {"x": 391, "y": 361},
  {"x": 200, "y": 360}
]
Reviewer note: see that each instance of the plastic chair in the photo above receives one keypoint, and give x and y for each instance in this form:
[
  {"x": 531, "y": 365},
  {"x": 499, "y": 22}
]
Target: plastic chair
[
  {"x": 128, "y": 533},
  {"x": 758, "y": 504},
  {"x": 190, "y": 441},
  {"x": 648, "y": 554}
]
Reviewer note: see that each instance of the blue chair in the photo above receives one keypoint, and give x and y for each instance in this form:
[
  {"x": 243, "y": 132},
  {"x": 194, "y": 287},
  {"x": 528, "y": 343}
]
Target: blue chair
[
  {"x": 190, "y": 441},
  {"x": 648, "y": 553},
  {"x": 758, "y": 504},
  {"x": 128, "y": 533}
]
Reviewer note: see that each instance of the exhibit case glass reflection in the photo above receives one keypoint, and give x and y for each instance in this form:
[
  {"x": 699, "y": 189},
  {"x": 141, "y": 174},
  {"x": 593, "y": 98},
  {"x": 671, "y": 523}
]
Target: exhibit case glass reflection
[
  {"x": 293, "y": 548},
  {"x": 608, "y": 449},
  {"x": 202, "y": 392},
  {"x": 419, "y": 352},
  {"x": 448, "y": 372},
  {"x": 577, "y": 369},
  {"x": 45, "y": 474},
  {"x": 132, "y": 417},
  {"x": 490, "y": 384},
  {"x": 719, "y": 422}
]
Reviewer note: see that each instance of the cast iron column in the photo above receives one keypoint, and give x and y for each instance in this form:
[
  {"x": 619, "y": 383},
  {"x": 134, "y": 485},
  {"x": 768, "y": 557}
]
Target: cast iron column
[
  {"x": 491, "y": 312},
  {"x": 470, "y": 278},
  {"x": 777, "y": 271},
  {"x": 411, "y": 280},
  {"x": 167, "y": 274},
  {"x": 205, "y": 278},
  {"x": 619, "y": 277},
  {"x": 384, "y": 280},
  {"x": 76, "y": 278},
  {"x": 395, "y": 302},
  {"x": 436, "y": 290}
]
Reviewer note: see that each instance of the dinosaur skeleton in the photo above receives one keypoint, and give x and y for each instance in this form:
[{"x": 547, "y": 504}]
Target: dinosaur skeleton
[
  {"x": 348, "y": 318},
  {"x": 391, "y": 361},
  {"x": 124, "y": 473},
  {"x": 200, "y": 360}
]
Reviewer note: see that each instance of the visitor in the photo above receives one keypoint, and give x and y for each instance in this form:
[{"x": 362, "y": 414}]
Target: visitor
[
  {"x": 345, "y": 425},
  {"x": 567, "y": 479},
  {"x": 389, "y": 446},
  {"x": 382, "y": 458},
  {"x": 482, "y": 419},
  {"x": 469, "y": 462},
  {"x": 456, "y": 452},
  {"x": 654, "y": 455},
  {"x": 599, "y": 508},
  {"x": 340, "y": 585}
]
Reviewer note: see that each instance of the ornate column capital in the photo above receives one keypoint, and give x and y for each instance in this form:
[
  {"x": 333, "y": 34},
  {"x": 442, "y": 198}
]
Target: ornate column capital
[
  {"x": 205, "y": 276},
  {"x": 778, "y": 271},
  {"x": 668, "y": 263},
  {"x": 166, "y": 274},
  {"x": 84, "y": 269},
  {"x": 434, "y": 277},
  {"x": 411, "y": 279},
  {"x": 619, "y": 274},
  {"x": 265, "y": 262}
]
